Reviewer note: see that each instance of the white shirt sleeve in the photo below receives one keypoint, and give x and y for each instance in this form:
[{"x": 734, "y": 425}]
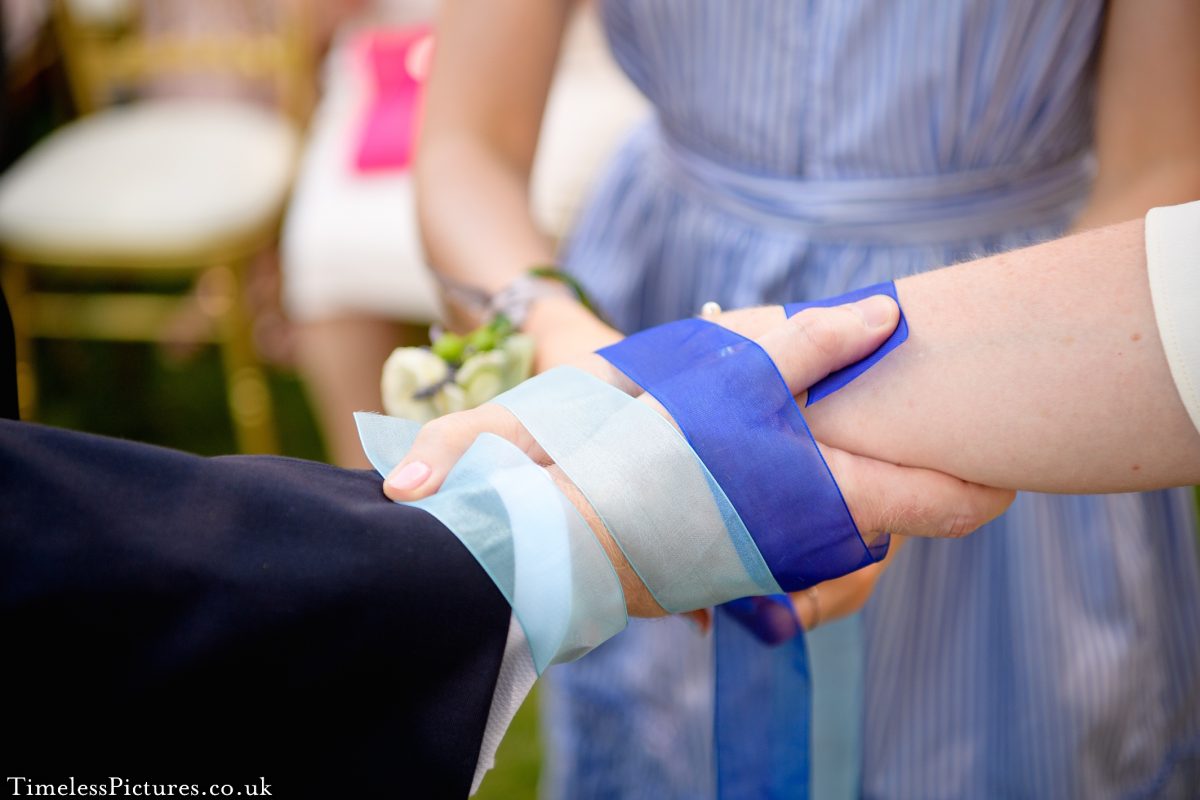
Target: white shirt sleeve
[{"x": 1173, "y": 264}]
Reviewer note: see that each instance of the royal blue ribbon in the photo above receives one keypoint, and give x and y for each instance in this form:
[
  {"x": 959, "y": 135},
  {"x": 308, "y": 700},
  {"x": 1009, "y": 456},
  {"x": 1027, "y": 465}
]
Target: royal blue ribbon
[
  {"x": 761, "y": 713},
  {"x": 771, "y": 618},
  {"x": 744, "y": 424},
  {"x": 728, "y": 398}
]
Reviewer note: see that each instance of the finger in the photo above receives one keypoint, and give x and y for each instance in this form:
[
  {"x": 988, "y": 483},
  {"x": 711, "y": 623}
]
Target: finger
[
  {"x": 701, "y": 618},
  {"x": 807, "y": 605},
  {"x": 441, "y": 443},
  {"x": 836, "y": 598},
  {"x": 818, "y": 341},
  {"x": 751, "y": 322},
  {"x": 886, "y": 498},
  {"x": 842, "y": 596}
]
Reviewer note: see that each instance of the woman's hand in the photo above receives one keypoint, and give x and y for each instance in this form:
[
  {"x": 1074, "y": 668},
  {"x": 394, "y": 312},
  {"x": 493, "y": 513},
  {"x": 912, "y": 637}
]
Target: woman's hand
[{"x": 842, "y": 596}]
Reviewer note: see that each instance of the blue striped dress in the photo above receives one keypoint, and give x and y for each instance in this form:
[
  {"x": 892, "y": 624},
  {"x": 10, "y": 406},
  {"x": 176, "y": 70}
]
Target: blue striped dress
[{"x": 803, "y": 148}]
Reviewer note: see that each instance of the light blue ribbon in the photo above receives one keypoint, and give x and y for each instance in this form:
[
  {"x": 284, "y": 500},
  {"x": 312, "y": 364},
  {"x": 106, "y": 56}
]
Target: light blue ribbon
[
  {"x": 532, "y": 542},
  {"x": 662, "y": 506}
]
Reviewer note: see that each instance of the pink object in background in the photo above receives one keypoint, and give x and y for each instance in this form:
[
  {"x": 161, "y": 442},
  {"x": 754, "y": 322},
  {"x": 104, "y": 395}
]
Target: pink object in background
[{"x": 397, "y": 63}]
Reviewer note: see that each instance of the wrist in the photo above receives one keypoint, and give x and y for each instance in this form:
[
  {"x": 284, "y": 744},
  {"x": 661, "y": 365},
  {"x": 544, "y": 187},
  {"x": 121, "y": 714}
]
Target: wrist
[
  {"x": 553, "y": 312},
  {"x": 516, "y": 300},
  {"x": 638, "y": 600}
]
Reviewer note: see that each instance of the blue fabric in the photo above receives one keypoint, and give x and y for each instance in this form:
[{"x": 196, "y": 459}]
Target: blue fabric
[
  {"x": 835, "y": 664},
  {"x": 532, "y": 542},
  {"x": 771, "y": 618},
  {"x": 836, "y": 380},
  {"x": 1056, "y": 653},
  {"x": 728, "y": 398},
  {"x": 762, "y": 747}
]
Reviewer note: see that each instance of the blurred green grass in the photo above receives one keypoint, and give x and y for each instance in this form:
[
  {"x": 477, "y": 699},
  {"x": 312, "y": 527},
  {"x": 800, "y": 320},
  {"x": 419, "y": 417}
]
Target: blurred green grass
[
  {"x": 519, "y": 760},
  {"x": 133, "y": 391}
]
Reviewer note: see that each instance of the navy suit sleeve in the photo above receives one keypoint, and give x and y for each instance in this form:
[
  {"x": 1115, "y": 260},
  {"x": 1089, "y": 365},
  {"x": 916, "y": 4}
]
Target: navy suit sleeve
[
  {"x": 8, "y": 352},
  {"x": 199, "y": 620}
]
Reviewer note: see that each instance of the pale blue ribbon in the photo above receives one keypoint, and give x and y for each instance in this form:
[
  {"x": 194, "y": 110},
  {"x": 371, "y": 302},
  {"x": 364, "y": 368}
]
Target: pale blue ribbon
[
  {"x": 532, "y": 542},
  {"x": 662, "y": 506}
]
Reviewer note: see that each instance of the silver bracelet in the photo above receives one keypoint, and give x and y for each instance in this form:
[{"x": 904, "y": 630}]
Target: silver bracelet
[{"x": 513, "y": 301}]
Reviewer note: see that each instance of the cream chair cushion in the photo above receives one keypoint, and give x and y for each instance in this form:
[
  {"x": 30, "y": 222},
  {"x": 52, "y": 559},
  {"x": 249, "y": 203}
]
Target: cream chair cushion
[{"x": 147, "y": 179}]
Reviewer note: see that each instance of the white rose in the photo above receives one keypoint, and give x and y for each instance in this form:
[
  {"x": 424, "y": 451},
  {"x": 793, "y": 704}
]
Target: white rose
[
  {"x": 482, "y": 377},
  {"x": 408, "y": 372},
  {"x": 518, "y": 349},
  {"x": 450, "y": 398}
]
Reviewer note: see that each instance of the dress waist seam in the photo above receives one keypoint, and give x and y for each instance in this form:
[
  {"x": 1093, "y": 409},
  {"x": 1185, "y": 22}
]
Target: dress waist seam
[{"x": 955, "y": 206}]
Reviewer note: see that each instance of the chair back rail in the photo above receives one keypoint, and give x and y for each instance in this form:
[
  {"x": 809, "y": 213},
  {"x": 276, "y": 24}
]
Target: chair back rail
[{"x": 104, "y": 55}]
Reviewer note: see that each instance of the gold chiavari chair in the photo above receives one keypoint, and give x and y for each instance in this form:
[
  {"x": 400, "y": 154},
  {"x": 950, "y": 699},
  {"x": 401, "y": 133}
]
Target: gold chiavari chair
[{"x": 140, "y": 195}]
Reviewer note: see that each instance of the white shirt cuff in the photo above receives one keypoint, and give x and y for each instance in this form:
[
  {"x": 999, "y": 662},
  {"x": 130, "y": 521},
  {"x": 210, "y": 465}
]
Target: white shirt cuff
[{"x": 1173, "y": 265}]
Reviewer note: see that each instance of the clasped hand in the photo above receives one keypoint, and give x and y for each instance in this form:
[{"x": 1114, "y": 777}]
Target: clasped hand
[{"x": 882, "y": 497}]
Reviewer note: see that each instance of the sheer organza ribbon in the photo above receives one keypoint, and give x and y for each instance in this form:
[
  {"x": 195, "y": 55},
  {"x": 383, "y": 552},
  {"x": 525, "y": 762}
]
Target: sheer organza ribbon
[
  {"x": 736, "y": 411},
  {"x": 662, "y": 506},
  {"x": 739, "y": 416},
  {"x": 532, "y": 542}
]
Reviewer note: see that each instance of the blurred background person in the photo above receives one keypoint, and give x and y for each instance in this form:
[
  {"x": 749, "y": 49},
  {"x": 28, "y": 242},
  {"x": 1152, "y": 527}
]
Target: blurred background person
[
  {"x": 149, "y": 209},
  {"x": 356, "y": 283},
  {"x": 798, "y": 151}
]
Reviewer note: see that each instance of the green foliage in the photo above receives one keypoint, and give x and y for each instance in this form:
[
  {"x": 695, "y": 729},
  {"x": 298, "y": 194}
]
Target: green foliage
[
  {"x": 132, "y": 391},
  {"x": 519, "y": 760}
]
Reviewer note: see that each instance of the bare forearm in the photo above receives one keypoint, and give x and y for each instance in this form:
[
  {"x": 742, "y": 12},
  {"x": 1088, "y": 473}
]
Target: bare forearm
[
  {"x": 491, "y": 73},
  {"x": 1147, "y": 120},
  {"x": 474, "y": 215},
  {"x": 638, "y": 600},
  {"x": 1040, "y": 369}
]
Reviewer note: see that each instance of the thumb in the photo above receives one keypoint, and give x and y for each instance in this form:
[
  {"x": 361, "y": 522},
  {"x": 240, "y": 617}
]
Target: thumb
[{"x": 818, "y": 341}]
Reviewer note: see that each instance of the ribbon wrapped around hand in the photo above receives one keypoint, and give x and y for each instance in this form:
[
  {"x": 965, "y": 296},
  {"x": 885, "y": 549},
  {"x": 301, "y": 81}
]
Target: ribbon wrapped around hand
[{"x": 740, "y": 418}]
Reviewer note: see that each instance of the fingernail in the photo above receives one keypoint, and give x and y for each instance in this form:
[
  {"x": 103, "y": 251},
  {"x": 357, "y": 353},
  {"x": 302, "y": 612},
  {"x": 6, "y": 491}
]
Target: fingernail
[
  {"x": 876, "y": 310},
  {"x": 410, "y": 476}
]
